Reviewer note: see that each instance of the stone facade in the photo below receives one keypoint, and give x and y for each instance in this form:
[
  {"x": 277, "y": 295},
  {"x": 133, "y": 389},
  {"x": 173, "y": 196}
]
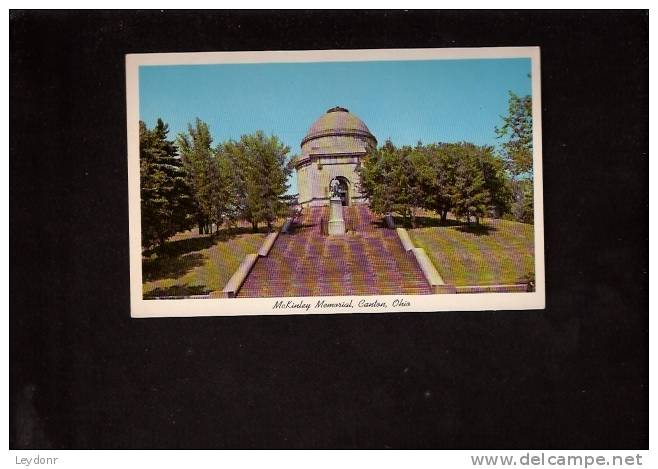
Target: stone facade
[{"x": 333, "y": 148}]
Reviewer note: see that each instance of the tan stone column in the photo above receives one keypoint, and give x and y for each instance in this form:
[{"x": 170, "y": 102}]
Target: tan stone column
[{"x": 336, "y": 220}]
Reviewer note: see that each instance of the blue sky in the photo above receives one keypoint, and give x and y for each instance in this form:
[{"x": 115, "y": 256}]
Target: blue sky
[{"x": 407, "y": 101}]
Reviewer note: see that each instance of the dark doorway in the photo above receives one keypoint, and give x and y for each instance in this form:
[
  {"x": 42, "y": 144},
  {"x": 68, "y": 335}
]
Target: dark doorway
[{"x": 343, "y": 190}]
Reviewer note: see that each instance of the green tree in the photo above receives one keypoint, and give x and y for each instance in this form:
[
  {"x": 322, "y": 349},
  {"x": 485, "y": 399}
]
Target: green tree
[
  {"x": 197, "y": 156},
  {"x": 470, "y": 196},
  {"x": 496, "y": 181},
  {"x": 373, "y": 177},
  {"x": 226, "y": 207},
  {"x": 456, "y": 176},
  {"x": 212, "y": 175},
  {"x": 517, "y": 130},
  {"x": 435, "y": 166},
  {"x": 389, "y": 179},
  {"x": 517, "y": 151},
  {"x": 522, "y": 208},
  {"x": 166, "y": 201},
  {"x": 405, "y": 180},
  {"x": 262, "y": 169}
]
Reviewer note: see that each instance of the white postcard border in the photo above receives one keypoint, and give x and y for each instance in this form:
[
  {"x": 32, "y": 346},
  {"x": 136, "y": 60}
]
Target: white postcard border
[{"x": 141, "y": 308}]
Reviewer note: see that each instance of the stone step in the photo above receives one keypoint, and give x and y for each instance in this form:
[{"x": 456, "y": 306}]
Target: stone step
[{"x": 305, "y": 263}]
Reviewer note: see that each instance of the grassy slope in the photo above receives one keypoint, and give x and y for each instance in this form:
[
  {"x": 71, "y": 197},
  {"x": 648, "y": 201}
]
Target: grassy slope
[
  {"x": 501, "y": 252},
  {"x": 197, "y": 264}
]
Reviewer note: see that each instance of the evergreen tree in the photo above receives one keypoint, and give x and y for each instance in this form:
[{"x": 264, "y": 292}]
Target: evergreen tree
[{"x": 166, "y": 200}]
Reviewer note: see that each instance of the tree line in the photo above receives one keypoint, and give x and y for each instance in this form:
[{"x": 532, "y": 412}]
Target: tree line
[
  {"x": 461, "y": 178},
  {"x": 464, "y": 179},
  {"x": 188, "y": 181}
]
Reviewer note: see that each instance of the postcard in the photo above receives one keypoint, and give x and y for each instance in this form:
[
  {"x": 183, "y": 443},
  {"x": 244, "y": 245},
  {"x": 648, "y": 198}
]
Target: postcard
[{"x": 337, "y": 181}]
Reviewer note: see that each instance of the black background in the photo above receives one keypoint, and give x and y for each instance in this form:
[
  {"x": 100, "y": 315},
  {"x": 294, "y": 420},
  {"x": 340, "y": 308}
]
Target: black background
[{"x": 85, "y": 375}]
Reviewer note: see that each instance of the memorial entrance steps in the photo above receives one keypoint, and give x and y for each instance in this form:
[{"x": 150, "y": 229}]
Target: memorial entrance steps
[{"x": 368, "y": 260}]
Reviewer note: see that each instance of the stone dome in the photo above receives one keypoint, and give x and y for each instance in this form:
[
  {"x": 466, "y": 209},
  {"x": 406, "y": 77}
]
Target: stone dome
[{"x": 338, "y": 121}]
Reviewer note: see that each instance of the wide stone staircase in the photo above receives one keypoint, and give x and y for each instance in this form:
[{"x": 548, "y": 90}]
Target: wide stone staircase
[{"x": 368, "y": 260}]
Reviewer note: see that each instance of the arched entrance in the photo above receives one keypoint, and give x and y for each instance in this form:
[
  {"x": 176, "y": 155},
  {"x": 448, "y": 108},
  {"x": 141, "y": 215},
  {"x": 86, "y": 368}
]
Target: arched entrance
[{"x": 344, "y": 190}]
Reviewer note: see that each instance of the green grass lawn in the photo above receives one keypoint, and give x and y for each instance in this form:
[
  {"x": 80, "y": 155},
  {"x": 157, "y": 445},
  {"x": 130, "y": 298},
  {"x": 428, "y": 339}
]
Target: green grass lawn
[
  {"x": 197, "y": 265},
  {"x": 497, "y": 252}
]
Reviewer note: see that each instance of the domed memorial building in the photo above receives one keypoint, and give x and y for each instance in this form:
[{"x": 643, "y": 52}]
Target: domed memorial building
[
  {"x": 332, "y": 149},
  {"x": 334, "y": 245}
]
